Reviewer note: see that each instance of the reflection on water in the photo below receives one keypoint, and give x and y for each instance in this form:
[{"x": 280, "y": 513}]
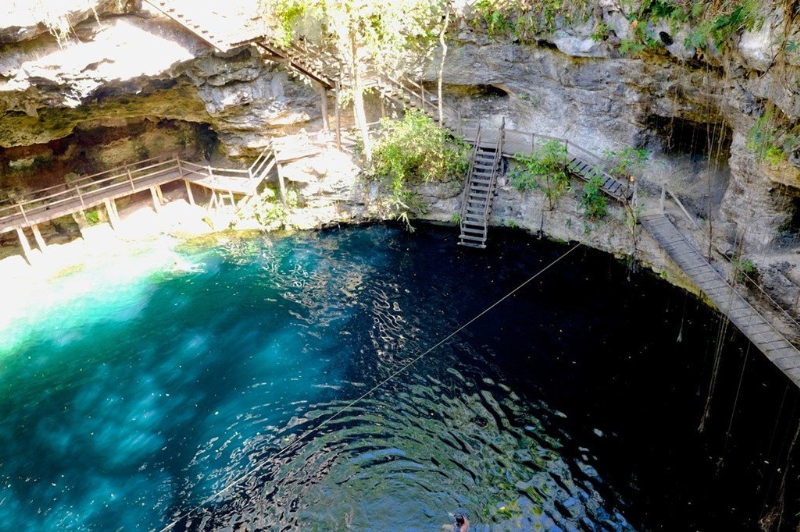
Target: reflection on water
[{"x": 216, "y": 392}]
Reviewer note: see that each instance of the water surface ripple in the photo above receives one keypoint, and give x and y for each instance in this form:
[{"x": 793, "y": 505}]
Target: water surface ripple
[{"x": 216, "y": 393}]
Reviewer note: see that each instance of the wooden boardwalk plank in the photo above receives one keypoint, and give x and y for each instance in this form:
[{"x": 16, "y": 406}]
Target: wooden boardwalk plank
[{"x": 752, "y": 324}]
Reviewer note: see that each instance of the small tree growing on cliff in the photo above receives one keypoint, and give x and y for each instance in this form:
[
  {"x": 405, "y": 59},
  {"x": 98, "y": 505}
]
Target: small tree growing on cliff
[
  {"x": 413, "y": 151},
  {"x": 545, "y": 170},
  {"x": 385, "y": 34}
]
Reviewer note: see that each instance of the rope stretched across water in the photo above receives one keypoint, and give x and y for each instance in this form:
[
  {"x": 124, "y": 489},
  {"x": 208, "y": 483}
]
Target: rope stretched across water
[{"x": 294, "y": 444}]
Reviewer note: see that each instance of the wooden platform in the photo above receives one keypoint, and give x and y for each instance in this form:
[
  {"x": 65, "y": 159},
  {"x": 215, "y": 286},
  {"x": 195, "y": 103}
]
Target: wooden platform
[
  {"x": 580, "y": 162},
  {"x": 70, "y": 199},
  {"x": 727, "y": 299},
  {"x": 90, "y": 191}
]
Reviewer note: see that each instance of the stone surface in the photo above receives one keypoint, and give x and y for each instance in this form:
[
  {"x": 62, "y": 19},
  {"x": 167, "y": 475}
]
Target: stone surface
[
  {"x": 567, "y": 85},
  {"x": 138, "y": 66}
]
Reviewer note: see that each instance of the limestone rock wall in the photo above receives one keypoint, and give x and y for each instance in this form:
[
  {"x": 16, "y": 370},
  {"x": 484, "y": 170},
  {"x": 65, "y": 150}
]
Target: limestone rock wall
[
  {"x": 132, "y": 74},
  {"x": 572, "y": 86},
  {"x": 126, "y": 64}
]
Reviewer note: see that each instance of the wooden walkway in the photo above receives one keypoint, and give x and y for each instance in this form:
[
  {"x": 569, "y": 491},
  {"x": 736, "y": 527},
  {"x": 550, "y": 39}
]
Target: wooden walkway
[
  {"x": 326, "y": 69},
  {"x": 727, "y": 299},
  {"x": 104, "y": 188},
  {"x": 579, "y": 161}
]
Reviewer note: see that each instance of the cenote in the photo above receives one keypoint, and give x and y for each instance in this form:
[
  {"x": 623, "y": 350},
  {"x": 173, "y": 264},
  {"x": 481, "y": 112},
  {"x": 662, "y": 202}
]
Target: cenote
[{"x": 198, "y": 392}]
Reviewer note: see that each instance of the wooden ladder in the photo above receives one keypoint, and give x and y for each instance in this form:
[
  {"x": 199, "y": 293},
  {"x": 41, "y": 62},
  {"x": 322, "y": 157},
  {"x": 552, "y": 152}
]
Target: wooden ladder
[
  {"x": 479, "y": 191},
  {"x": 619, "y": 190}
]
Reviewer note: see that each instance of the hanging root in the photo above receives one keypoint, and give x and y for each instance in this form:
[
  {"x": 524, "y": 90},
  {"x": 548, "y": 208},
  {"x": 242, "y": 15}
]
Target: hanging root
[
  {"x": 723, "y": 328},
  {"x": 774, "y": 517}
]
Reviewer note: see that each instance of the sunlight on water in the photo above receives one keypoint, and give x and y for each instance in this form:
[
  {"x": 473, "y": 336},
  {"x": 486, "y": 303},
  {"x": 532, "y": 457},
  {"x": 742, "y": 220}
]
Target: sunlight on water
[
  {"x": 195, "y": 386},
  {"x": 114, "y": 286}
]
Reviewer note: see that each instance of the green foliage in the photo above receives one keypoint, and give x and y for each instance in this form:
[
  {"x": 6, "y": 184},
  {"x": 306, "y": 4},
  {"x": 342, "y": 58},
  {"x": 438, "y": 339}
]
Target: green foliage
[
  {"x": 497, "y": 20},
  {"x": 600, "y": 32},
  {"x": 712, "y": 22},
  {"x": 630, "y": 46},
  {"x": 523, "y": 20},
  {"x": 456, "y": 219},
  {"x": 391, "y": 33},
  {"x": 770, "y": 142},
  {"x": 627, "y": 162},
  {"x": 287, "y": 14},
  {"x": 412, "y": 151},
  {"x": 416, "y": 150},
  {"x": 268, "y": 209},
  {"x": 544, "y": 169},
  {"x": 92, "y": 217},
  {"x": 743, "y": 268},
  {"x": 592, "y": 200}
]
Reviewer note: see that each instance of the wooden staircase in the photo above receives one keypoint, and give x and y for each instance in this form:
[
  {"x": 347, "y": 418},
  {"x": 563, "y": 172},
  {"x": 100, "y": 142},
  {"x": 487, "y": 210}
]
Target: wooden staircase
[
  {"x": 233, "y": 24},
  {"x": 308, "y": 60},
  {"x": 612, "y": 186},
  {"x": 476, "y": 206}
]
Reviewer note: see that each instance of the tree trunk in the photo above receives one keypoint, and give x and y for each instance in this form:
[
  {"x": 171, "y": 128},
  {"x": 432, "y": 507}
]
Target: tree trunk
[
  {"x": 358, "y": 99},
  {"x": 441, "y": 63}
]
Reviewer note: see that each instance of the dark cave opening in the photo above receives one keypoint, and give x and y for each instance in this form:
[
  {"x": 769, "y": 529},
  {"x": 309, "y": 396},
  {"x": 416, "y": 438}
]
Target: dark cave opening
[
  {"x": 697, "y": 155},
  {"x": 93, "y": 148},
  {"x": 789, "y": 231},
  {"x": 479, "y": 100},
  {"x": 711, "y": 140}
]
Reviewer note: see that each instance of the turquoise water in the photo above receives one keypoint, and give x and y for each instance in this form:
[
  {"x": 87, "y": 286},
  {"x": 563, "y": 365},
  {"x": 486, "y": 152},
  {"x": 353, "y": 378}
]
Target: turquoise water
[{"x": 189, "y": 389}]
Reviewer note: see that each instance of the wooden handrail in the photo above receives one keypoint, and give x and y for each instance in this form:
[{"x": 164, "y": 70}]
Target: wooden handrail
[
  {"x": 465, "y": 201},
  {"x": 498, "y": 155},
  {"x": 132, "y": 174}
]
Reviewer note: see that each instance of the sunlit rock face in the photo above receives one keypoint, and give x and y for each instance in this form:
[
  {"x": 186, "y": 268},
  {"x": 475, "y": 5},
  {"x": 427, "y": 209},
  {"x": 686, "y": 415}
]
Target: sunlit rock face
[
  {"x": 21, "y": 21},
  {"x": 126, "y": 65},
  {"x": 139, "y": 65},
  {"x": 692, "y": 110}
]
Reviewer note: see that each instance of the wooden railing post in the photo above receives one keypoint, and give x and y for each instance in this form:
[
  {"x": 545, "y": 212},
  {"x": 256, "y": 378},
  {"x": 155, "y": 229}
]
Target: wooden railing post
[
  {"x": 80, "y": 197},
  {"x": 22, "y": 210},
  {"x": 663, "y": 197},
  {"x": 130, "y": 178}
]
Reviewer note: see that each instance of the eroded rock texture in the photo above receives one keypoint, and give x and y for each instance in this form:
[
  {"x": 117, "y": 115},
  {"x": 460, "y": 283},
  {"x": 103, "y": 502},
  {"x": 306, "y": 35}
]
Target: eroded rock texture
[
  {"x": 136, "y": 66},
  {"x": 126, "y": 69}
]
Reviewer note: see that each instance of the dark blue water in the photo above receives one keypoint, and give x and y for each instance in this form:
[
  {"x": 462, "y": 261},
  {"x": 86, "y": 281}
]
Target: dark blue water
[{"x": 196, "y": 388}]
